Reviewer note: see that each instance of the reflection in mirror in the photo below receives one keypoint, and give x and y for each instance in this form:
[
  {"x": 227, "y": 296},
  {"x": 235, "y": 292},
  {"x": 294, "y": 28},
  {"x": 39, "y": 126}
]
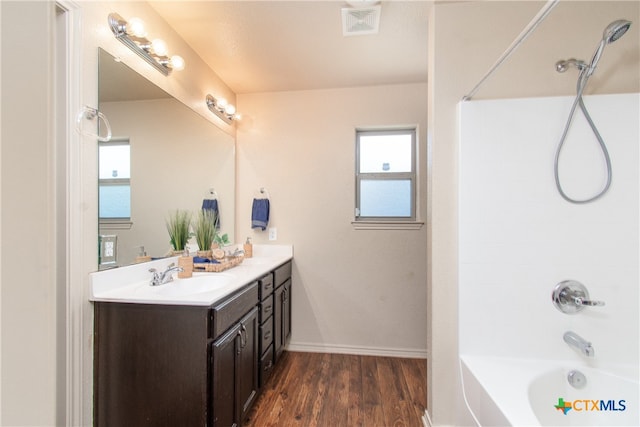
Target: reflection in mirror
[{"x": 163, "y": 156}]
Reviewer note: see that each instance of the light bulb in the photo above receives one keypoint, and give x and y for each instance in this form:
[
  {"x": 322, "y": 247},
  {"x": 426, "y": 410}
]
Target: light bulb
[
  {"x": 237, "y": 117},
  {"x": 159, "y": 47},
  {"x": 221, "y": 103},
  {"x": 135, "y": 27},
  {"x": 177, "y": 63},
  {"x": 229, "y": 110}
]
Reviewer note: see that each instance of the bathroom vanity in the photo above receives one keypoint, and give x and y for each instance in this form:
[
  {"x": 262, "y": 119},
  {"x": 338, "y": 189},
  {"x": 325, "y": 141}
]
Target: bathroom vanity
[{"x": 196, "y": 360}]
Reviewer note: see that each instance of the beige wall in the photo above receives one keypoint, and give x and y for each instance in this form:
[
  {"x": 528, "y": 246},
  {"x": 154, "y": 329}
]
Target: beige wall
[
  {"x": 27, "y": 195},
  {"x": 354, "y": 290},
  {"x": 466, "y": 38}
]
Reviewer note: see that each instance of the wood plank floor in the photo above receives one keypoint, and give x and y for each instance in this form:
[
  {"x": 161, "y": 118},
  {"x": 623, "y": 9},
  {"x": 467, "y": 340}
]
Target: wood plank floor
[{"x": 336, "y": 390}]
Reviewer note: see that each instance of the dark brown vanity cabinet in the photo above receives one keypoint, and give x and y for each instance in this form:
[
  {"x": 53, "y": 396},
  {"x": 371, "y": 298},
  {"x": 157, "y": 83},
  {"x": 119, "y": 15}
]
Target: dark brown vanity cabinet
[
  {"x": 164, "y": 365},
  {"x": 282, "y": 314},
  {"x": 175, "y": 365}
]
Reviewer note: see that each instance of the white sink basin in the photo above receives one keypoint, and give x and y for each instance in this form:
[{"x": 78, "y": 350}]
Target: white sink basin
[{"x": 193, "y": 285}]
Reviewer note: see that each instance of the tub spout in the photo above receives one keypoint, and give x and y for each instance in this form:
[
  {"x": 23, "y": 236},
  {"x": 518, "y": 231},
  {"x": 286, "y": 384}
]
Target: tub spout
[{"x": 576, "y": 341}]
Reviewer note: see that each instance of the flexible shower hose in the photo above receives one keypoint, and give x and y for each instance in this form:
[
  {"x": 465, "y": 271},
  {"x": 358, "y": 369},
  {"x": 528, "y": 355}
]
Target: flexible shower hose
[{"x": 582, "y": 82}]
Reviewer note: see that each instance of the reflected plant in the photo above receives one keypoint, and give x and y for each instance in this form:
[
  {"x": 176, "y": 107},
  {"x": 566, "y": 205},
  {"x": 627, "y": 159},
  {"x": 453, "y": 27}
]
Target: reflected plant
[
  {"x": 205, "y": 229},
  {"x": 178, "y": 227}
]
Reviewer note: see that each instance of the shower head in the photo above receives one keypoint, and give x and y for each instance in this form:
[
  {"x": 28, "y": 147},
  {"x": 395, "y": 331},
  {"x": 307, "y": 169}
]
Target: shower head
[{"x": 615, "y": 30}]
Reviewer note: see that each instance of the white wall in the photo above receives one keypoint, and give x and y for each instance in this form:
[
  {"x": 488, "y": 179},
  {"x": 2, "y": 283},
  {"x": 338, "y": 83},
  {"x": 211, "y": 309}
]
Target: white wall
[
  {"x": 518, "y": 240},
  {"x": 360, "y": 291}
]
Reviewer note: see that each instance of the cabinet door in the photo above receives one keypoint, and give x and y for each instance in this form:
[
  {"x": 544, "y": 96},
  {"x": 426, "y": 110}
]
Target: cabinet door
[
  {"x": 235, "y": 371},
  {"x": 248, "y": 365},
  {"x": 224, "y": 353},
  {"x": 278, "y": 338},
  {"x": 286, "y": 313},
  {"x": 282, "y": 318}
]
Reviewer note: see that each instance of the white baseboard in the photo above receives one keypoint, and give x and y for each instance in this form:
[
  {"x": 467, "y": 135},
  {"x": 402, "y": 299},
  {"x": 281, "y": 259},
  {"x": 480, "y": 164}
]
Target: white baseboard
[
  {"x": 360, "y": 350},
  {"x": 426, "y": 420}
]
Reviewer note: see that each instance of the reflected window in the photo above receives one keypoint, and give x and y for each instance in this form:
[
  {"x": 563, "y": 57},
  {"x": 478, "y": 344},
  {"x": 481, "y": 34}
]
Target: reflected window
[
  {"x": 385, "y": 174},
  {"x": 114, "y": 180}
]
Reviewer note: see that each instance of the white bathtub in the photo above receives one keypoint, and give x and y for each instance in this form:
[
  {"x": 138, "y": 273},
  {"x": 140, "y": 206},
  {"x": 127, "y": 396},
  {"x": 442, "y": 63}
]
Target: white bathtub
[{"x": 520, "y": 392}]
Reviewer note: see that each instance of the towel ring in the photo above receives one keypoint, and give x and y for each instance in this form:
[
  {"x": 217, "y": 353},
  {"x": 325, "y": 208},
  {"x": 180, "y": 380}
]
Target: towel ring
[{"x": 90, "y": 113}]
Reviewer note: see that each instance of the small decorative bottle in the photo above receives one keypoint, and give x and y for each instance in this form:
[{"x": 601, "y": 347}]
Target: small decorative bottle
[
  {"x": 142, "y": 256},
  {"x": 248, "y": 248}
]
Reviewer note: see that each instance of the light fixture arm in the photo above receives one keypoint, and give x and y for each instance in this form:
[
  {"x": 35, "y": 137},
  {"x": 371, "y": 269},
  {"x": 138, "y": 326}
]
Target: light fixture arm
[{"x": 140, "y": 45}]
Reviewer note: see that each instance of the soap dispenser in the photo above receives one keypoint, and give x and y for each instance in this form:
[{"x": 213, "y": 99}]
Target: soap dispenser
[
  {"x": 142, "y": 256},
  {"x": 186, "y": 263},
  {"x": 248, "y": 248}
]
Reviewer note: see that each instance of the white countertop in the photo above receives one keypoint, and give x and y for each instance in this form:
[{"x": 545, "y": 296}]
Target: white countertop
[{"x": 131, "y": 284}]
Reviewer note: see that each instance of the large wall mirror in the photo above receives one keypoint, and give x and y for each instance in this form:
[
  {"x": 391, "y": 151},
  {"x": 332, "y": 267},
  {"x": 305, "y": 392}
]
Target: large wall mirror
[{"x": 163, "y": 156}]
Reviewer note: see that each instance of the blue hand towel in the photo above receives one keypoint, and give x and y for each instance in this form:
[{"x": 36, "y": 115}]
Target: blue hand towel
[
  {"x": 212, "y": 204},
  {"x": 201, "y": 260},
  {"x": 260, "y": 213}
]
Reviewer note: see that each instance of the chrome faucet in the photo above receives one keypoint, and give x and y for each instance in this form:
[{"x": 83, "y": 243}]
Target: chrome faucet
[
  {"x": 160, "y": 278},
  {"x": 576, "y": 341},
  {"x": 237, "y": 252}
]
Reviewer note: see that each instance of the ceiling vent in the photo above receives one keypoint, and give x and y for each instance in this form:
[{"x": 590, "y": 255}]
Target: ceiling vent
[{"x": 360, "y": 20}]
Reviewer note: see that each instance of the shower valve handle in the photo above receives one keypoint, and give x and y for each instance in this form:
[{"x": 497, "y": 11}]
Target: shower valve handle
[
  {"x": 571, "y": 296},
  {"x": 586, "y": 302}
]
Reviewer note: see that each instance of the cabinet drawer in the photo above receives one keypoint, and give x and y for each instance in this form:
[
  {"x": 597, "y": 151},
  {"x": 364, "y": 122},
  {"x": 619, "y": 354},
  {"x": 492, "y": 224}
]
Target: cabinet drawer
[
  {"x": 266, "y": 286},
  {"x": 225, "y": 314},
  {"x": 282, "y": 273},
  {"x": 266, "y": 335},
  {"x": 266, "y": 308},
  {"x": 266, "y": 366}
]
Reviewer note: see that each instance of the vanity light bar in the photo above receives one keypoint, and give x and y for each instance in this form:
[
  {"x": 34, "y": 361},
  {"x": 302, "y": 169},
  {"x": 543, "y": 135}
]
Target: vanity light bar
[
  {"x": 133, "y": 35},
  {"x": 221, "y": 108}
]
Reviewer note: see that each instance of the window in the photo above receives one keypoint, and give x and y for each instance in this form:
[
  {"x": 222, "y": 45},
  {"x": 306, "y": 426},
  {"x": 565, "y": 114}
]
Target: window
[
  {"x": 386, "y": 175},
  {"x": 114, "y": 186}
]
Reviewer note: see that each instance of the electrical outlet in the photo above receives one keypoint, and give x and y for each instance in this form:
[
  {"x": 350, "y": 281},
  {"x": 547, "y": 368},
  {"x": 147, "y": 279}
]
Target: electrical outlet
[
  {"x": 108, "y": 249},
  {"x": 273, "y": 233}
]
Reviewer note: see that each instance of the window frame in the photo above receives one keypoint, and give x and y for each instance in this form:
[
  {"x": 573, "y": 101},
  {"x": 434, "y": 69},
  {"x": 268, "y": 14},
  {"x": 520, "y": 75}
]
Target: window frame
[
  {"x": 387, "y": 176},
  {"x": 115, "y": 222}
]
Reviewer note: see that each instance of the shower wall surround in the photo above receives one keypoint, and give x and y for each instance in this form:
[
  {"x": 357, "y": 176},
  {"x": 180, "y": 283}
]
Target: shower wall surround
[{"x": 518, "y": 238}]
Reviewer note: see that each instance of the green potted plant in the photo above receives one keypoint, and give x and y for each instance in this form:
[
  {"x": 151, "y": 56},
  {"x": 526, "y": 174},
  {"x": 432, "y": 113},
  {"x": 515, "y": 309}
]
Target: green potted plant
[
  {"x": 205, "y": 231},
  {"x": 178, "y": 224}
]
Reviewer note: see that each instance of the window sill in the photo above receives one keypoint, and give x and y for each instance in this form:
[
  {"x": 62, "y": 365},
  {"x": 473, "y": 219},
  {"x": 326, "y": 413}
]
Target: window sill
[
  {"x": 387, "y": 225},
  {"x": 115, "y": 225}
]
